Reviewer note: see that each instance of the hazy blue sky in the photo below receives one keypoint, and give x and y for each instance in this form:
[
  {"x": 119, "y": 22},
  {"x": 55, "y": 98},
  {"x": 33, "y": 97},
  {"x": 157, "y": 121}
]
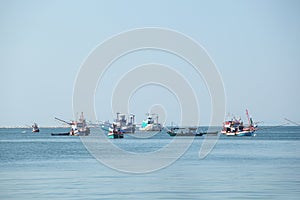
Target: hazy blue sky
[{"x": 255, "y": 45}]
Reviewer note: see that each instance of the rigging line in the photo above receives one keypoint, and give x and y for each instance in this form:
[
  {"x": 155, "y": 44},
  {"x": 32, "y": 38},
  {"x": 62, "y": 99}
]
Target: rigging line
[
  {"x": 292, "y": 122},
  {"x": 273, "y": 126}
]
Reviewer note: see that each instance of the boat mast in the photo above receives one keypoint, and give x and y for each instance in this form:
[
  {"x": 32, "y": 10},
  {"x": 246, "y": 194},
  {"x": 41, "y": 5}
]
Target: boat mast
[{"x": 249, "y": 121}]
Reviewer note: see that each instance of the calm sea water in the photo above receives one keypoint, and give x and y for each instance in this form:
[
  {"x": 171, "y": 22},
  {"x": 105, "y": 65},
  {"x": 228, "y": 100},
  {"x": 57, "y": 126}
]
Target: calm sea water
[{"x": 41, "y": 166}]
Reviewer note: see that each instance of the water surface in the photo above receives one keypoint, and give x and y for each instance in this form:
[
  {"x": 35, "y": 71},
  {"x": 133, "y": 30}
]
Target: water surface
[{"x": 41, "y": 166}]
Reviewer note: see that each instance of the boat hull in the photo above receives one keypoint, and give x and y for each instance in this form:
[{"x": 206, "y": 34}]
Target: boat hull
[
  {"x": 128, "y": 129},
  {"x": 123, "y": 129},
  {"x": 115, "y": 135},
  {"x": 184, "y": 134},
  {"x": 151, "y": 127},
  {"x": 60, "y": 134},
  {"x": 245, "y": 133},
  {"x": 189, "y": 131},
  {"x": 82, "y": 133},
  {"x": 192, "y": 134},
  {"x": 240, "y": 133}
]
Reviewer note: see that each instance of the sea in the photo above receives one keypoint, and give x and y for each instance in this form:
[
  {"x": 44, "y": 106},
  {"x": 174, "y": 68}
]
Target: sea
[{"x": 41, "y": 166}]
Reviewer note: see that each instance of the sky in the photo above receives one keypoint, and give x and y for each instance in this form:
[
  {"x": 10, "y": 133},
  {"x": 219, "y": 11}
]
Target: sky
[{"x": 254, "y": 44}]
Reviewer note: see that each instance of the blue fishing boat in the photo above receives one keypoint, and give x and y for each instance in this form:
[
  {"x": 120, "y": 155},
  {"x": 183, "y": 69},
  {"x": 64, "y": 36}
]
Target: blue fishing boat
[{"x": 236, "y": 127}]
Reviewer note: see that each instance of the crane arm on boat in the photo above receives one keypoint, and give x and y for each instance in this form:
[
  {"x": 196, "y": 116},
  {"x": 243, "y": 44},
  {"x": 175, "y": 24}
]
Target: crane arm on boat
[{"x": 62, "y": 121}]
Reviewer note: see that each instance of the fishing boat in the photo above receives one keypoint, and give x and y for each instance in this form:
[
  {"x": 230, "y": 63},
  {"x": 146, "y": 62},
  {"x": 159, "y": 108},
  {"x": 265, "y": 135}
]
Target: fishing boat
[
  {"x": 115, "y": 132},
  {"x": 150, "y": 124},
  {"x": 188, "y": 131},
  {"x": 78, "y": 128},
  {"x": 235, "y": 127},
  {"x": 35, "y": 128},
  {"x": 125, "y": 125}
]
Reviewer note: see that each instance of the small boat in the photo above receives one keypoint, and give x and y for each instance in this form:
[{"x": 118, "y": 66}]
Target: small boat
[
  {"x": 235, "y": 127},
  {"x": 150, "y": 125},
  {"x": 115, "y": 132},
  {"x": 35, "y": 128},
  {"x": 78, "y": 128},
  {"x": 186, "y": 131}
]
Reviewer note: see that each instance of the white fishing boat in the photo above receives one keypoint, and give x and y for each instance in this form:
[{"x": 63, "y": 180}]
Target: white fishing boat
[
  {"x": 150, "y": 124},
  {"x": 125, "y": 125},
  {"x": 78, "y": 128}
]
